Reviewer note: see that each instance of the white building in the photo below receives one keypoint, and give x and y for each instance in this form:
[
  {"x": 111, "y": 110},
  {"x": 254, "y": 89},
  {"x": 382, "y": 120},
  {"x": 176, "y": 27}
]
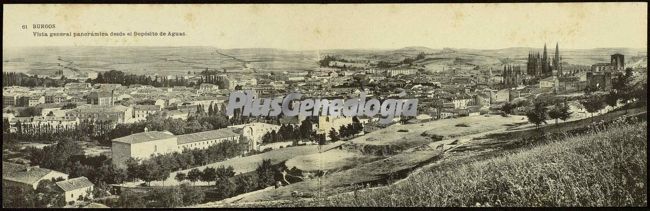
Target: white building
[
  {"x": 76, "y": 189},
  {"x": 395, "y": 72},
  {"x": 150, "y": 143},
  {"x": 140, "y": 112},
  {"x": 202, "y": 140},
  {"x": 142, "y": 146}
]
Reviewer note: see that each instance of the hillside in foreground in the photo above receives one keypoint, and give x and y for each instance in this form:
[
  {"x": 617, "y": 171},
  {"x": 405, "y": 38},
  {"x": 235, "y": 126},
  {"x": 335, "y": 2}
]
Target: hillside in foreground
[{"x": 604, "y": 167}]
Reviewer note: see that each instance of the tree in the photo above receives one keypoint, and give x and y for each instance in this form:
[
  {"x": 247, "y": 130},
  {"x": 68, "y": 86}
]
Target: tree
[
  {"x": 194, "y": 175},
  {"x": 560, "y": 111},
  {"x": 420, "y": 56},
  {"x": 151, "y": 171},
  {"x": 209, "y": 174},
  {"x": 130, "y": 199},
  {"x": 265, "y": 173},
  {"x": 306, "y": 128},
  {"x": 621, "y": 84},
  {"x": 180, "y": 177},
  {"x": 16, "y": 197},
  {"x": 537, "y": 115},
  {"x": 320, "y": 138},
  {"x": 224, "y": 173},
  {"x": 30, "y": 111},
  {"x": 79, "y": 169},
  {"x": 49, "y": 194},
  {"x": 640, "y": 92},
  {"x": 167, "y": 197},
  {"x": 345, "y": 131},
  {"x": 296, "y": 174},
  {"x": 191, "y": 195},
  {"x": 356, "y": 125},
  {"x": 592, "y": 104},
  {"x": 132, "y": 169},
  {"x": 5, "y": 125},
  {"x": 112, "y": 174},
  {"x": 611, "y": 99},
  {"x": 225, "y": 187},
  {"x": 325, "y": 62},
  {"x": 246, "y": 183},
  {"x": 507, "y": 108},
  {"x": 100, "y": 190},
  {"x": 56, "y": 156},
  {"x": 334, "y": 136}
]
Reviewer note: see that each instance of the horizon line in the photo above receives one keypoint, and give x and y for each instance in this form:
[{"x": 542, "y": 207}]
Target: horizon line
[{"x": 320, "y": 49}]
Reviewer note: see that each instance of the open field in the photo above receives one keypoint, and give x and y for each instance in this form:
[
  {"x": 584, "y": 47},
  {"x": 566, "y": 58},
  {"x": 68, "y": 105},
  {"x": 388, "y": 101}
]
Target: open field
[
  {"x": 332, "y": 159},
  {"x": 411, "y": 134}
]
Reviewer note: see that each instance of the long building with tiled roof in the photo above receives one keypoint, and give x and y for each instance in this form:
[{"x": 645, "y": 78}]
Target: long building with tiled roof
[
  {"x": 148, "y": 143},
  {"x": 207, "y": 138},
  {"x": 27, "y": 176}
]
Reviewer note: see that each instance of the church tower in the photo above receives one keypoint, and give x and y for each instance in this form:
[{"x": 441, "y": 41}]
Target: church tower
[
  {"x": 546, "y": 64},
  {"x": 557, "y": 61}
]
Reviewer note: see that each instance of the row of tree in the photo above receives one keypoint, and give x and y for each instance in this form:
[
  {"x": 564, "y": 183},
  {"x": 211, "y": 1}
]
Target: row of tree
[
  {"x": 306, "y": 132},
  {"x": 178, "y": 196},
  {"x": 119, "y": 77},
  {"x": 225, "y": 185},
  {"x": 288, "y": 132},
  {"x": 345, "y": 131},
  {"x": 540, "y": 113},
  {"x": 22, "y": 79},
  {"x": 351, "y": 129},
  {"x": 159, "y": 167}
]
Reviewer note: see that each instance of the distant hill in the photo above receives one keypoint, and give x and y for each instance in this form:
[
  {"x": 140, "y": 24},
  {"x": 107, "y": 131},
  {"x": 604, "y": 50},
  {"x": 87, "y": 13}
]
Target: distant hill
[{"x": 180, "y": 60}]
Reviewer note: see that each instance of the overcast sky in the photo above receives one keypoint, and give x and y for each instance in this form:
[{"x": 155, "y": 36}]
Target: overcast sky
[{"x": 308, "y": 27}]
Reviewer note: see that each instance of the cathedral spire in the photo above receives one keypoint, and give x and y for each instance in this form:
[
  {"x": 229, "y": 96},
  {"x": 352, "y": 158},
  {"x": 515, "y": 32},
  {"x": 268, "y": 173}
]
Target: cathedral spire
[{"x": 556, "y": 59}]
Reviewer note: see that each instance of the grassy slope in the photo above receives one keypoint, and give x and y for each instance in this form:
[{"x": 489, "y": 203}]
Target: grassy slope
[{"x": 602, "y": 168}]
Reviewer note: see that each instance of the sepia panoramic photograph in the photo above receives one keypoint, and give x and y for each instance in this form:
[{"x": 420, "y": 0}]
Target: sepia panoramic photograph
[{"x": 324, "y": 105}]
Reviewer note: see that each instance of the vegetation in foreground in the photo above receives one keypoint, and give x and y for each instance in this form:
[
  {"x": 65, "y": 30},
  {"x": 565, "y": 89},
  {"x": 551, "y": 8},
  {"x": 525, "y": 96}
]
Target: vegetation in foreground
[{"x": 605, "y": 167}]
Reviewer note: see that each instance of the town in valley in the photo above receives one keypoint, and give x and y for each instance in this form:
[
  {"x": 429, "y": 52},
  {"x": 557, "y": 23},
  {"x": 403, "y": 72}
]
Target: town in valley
[{"x": 103, "y": 138}]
